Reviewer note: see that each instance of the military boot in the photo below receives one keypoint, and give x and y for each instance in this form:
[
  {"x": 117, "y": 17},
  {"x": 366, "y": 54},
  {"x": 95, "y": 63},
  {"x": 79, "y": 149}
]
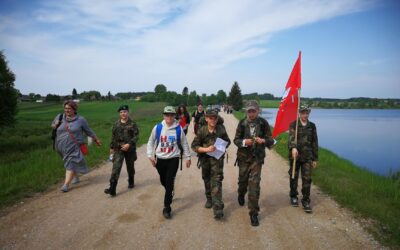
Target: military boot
[
  {"x": 254, "y": 220},
  {"x": 241, "y": 199},
  {"x": 218, "y": 215},
  {"x": 112, "y": 189},
  {"x": 294, "y": 201},
  {"x": 306, "y": 206},
  {"x": 131, "y": 182},
  {"x": 167, "y": 212},
  {"x": 208, "y": 203}
]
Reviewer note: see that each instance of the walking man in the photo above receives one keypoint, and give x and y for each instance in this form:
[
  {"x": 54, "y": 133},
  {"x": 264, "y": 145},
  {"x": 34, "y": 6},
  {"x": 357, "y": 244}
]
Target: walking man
[
  {"x": 253, "y": 135},
  {"x": 125, "y": 134},
  {"x": 305, "y": 151},
  {"x": 211, "y": 167}
]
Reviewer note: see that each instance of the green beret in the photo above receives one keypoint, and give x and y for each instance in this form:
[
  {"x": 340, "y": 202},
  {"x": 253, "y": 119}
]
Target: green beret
[{"x": 123, "y": 107}]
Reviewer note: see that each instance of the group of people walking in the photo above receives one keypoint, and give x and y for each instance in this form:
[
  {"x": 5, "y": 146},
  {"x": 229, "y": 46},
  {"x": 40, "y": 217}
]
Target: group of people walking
[{"x": 167, "y": 145}]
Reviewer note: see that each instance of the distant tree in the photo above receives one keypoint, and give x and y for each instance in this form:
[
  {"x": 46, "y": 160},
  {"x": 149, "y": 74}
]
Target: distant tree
[
  {"x": 109, "y": 95},
  {"x": 8, "y": 94},
  {"x": 192, "y": 99},
  {"x": 52, "y": 98},
  {"x": 198, "y": 100},
  {"x": 212, "y": 99},
  {"x": 74, "y": 94},
  {"x": 266, "y": 96},
  {"x": 252, "y": 96},
  {"x": 185, "y": 91},
  {"x": 235, "y": 97},
  {"x": 160, "y": 88},
  {"x": 91, "y": 95},
  {"x": 32, "y": 96},
  {"x": 150, "y": 97},
  {"x": 204, "y": 99},
  {"x": 221, "y": 96}
]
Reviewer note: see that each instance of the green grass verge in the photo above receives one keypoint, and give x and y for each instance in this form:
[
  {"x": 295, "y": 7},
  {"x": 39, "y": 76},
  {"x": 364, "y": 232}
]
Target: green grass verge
[
  {"x": 366, "y": 194},
  {"x": 28, "y": 163}
]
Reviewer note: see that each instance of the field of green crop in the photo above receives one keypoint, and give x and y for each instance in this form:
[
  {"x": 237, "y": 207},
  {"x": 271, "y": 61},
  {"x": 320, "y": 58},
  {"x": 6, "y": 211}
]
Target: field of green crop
[{"x": 28, "y": 164}]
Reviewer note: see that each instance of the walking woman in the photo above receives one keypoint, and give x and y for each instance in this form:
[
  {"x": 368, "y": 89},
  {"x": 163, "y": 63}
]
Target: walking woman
[
  {"x": 183, "y": 117},
  {"x": 166, "y": 144},
  {"x": 70, "y": 128}
]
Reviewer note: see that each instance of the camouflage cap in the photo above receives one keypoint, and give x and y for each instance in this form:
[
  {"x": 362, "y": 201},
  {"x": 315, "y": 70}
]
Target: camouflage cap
[
  {"x": 123, "y": 107},
  {"x": 304, "y": 108},
  {"x": 169, "y": 110},
  {"x": 211, "y": 112},
  {"x": 252, "y": 105}
]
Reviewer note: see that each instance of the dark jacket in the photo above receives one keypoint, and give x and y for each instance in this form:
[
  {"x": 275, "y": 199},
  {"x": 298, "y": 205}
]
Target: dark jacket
[
  {"x": 307, "y": 141},
  {"x": 261, "y": 130}
]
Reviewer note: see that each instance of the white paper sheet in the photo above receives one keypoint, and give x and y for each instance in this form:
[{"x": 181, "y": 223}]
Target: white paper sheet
[{"x": 220, "y": 146}]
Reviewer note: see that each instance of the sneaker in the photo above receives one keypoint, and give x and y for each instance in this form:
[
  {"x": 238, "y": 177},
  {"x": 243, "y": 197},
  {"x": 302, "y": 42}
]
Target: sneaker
[
  {"x": 241, "y": 199},
  {"x": 307, "y": 207},
  {"x": 167, "y": 212},
  {"x": 219, "y": 215},
  {"x": 208, "y": 204},
  {"x": 131, "y": 185},
  {"x": 294, "y": 201},
  {"x": 75, "y": 180},
  {"x": 254, "y": 220},
  {"x": 64, "y": 188}
]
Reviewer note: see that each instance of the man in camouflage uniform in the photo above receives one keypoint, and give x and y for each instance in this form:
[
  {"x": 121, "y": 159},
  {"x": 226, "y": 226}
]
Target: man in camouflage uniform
[
  {"x": 125, "y": 134},
  {"x": 211, "y": 168},
  {"x": 253, "y": 135},
  {"x": 305, "y": 151}
]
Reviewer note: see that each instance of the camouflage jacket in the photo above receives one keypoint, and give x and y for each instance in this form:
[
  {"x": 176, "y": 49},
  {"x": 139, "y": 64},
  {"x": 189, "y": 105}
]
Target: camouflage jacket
[
  {"x": 205, "y": 139},
  {"x": 307, "y": 141},
  {"x": 123, "y": 133},
  {"x": 261, "y": 130}
]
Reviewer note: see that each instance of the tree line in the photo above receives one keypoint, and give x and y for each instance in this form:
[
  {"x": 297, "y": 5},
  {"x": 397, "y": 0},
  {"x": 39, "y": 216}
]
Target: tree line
[{"x": 9, "y": 97}]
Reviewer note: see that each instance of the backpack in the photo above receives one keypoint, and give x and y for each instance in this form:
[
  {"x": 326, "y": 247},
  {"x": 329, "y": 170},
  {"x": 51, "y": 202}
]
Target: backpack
[
  {"x": 54, "y": 131},
  {"x": 178, "y": 130}
]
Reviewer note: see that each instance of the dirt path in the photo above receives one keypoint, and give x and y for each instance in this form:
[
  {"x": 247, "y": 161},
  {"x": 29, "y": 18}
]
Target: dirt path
[{"x": 86, "y": 218}]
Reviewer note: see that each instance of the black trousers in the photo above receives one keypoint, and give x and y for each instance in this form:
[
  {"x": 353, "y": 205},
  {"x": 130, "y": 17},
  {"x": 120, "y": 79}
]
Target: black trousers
[{"x": 167, "y": 169}]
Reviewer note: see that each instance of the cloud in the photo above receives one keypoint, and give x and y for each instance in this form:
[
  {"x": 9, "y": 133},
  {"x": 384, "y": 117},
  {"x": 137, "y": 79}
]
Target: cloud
[{"x": 145, "y": 41}]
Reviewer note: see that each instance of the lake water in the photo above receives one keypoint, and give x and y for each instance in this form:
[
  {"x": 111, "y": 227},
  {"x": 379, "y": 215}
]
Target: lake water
[{"x": 368, "y": 138}]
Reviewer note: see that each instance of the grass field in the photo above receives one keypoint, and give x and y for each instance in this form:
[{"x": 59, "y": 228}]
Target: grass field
[
  {"x": 270, "y": 103},
  {"x": 368, "y": 195},
  {"x": 28, "y": 163}
]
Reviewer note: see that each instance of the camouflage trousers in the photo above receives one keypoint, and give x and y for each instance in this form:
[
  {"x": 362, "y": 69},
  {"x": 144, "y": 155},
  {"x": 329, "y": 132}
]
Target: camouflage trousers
[
  {"x": 306, "y": 171},
  {"x": 118, "y": 160},
  {"x": 213, "y": 174},
  {"x": 249, "y": 180}
]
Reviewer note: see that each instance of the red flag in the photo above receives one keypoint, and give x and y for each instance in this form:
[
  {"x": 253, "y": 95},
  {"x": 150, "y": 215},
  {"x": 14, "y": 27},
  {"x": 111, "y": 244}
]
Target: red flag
[{"x": 290, "y": 101}]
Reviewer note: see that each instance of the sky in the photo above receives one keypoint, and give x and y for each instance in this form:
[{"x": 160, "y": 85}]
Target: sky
[{"x": 350, "y": 48}]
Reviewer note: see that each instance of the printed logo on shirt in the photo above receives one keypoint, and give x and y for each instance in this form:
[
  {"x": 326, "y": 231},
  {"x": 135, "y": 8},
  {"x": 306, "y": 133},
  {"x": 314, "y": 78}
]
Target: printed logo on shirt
[{"x": 167, "y": 144}]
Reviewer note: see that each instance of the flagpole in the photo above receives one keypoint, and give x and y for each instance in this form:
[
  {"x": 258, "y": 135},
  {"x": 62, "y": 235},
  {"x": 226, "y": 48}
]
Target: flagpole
[{"x": 295, "y": 135}]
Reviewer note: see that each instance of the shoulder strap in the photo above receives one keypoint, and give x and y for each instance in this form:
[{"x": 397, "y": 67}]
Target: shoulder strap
[
  {"x": 73, "y": 138},
  {"x": 178, "y": 135},
  {"x": 60, "y": 117},
  {"x": 158, "y": 132}
]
